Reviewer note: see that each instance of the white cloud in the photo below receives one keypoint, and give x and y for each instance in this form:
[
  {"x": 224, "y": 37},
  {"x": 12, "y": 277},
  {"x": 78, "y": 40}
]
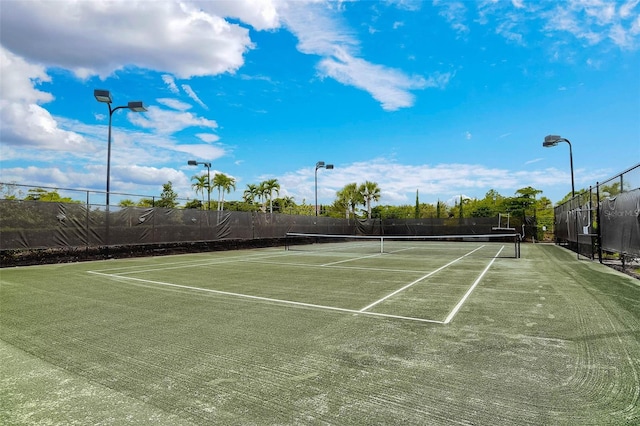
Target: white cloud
[
  {"x": 171, "y": 83},
  {"x": 174, "y": 104},
  {"x": 626, "y": 10},
  {"x": 174, "y": 37},
  {"x": 208, "y": 137},
  {"x": 23, "y": 121},
  {"x": 321, "y": 33},
  {"x": 454, "y": 12},
  {"x": 390, "y": 87},
  {"x": 168, "y": 122},
  {"x": 189, "y": 91},
  {"x": 595, "y": 21},
  {"x": 260, "y": 14},
  {"x": 19, "y": 79},
  {"x": 399, "y": 182}
]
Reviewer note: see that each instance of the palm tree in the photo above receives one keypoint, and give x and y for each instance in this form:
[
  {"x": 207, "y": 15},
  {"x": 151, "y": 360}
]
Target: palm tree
[
  {"x": 201, "y": 183},
  {"x": 224, "y": 184},
  {"x": 370, "y": 191},
  {"x": 350, "y": 196},
  {"x": 251, "y": 193},
  {"x": 268, "y": 187}
]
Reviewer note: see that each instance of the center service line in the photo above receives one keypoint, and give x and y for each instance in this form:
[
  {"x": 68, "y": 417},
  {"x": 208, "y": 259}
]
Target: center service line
[
  {"x": 418, "y": 280},
  {"x": 461, "y": 302}
]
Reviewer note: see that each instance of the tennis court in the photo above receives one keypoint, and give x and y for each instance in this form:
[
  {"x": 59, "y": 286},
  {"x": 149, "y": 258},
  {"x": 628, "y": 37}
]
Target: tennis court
[{"x": 412, "y": 332}]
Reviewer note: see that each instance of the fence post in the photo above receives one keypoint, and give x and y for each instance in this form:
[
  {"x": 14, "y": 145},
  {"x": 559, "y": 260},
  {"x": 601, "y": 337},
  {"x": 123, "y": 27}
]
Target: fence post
[{"x": 599, "y": 231}]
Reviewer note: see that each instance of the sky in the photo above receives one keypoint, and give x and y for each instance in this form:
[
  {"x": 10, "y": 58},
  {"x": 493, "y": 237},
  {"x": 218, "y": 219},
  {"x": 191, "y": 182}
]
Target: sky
[{"x": 448, "y": 98}]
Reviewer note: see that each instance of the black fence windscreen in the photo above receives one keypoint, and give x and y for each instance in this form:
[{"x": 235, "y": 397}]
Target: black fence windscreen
[
  {"x": 27, "y": 224},
  {"x": 604, "y": 218}
]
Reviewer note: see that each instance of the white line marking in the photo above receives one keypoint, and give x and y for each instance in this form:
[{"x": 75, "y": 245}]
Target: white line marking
[
  {"x": 461, "y": 302},
  {"x": 265, "y": 299},
  {"x": 182, "y": 265},
  {"x": 418, "y": 280},
  {"x": 350, "y": 260},
  {"x": 310, "y": 265}
]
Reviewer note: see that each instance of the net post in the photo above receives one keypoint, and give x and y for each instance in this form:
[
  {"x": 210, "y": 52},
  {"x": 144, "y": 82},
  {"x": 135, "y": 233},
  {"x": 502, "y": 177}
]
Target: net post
[{"x": 381, "y": 244}]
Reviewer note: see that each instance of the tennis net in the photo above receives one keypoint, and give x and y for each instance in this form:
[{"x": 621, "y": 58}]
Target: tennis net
[{"x": 508, "y": 244}]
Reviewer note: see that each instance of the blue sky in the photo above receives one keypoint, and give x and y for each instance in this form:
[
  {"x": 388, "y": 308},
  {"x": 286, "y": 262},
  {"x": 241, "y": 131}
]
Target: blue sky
[{"x": 446, "y": 97}]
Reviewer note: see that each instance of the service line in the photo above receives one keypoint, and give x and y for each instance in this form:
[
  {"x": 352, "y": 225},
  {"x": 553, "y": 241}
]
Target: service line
[{"x": 264, "y": 299}]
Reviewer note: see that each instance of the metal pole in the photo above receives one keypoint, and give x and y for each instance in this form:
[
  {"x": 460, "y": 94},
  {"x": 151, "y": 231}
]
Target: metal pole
[
  {"x": 573, "y": 188},
  {"x": 208, "y": 189},
  {"x": 109, "y": 152},
  {"x": 316, "y": 186},
  {"x": 599, "y": 228}
]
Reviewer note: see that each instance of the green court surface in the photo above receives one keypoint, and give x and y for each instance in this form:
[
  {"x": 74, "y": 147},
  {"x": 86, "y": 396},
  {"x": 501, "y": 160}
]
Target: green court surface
[{"x": 445, "y": 334}]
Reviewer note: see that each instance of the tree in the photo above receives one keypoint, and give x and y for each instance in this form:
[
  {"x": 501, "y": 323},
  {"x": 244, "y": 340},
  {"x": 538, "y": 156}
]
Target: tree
[
  {"x": 39, "y": 194},
  {"x": 268, "y": 187},
  {"x": 224, "y": 184},
  {"x": 193, "y": 204},
  {"x": 251, "y": 193},
  {"x": 200, "y": 185},
  {"x": 350, "y": 197},
  {"x": 284, "y": 204},
  {"x": 527, "y": 197},
  {"x": 168, "y": 196},
  {"x": 416, "y": 213},
  {"x": 368, "y": 192}
]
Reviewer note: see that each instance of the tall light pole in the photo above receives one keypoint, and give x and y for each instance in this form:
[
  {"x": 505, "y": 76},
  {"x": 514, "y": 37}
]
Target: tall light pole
[
  {"x": 208, "y": 166},
  {"x": 320, "y": 165},
  {"x": 135, "y": 106},
  {"x": 553, "y": 140}
]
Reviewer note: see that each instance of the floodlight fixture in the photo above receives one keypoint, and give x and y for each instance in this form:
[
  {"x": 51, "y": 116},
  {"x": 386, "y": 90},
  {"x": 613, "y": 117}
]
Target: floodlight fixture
[
  {"x": 320, "y": 165},
  {"x": 553, "y": 140},
  {"x": 136, "y": 106},
  {"x": 104, "y": 96}
]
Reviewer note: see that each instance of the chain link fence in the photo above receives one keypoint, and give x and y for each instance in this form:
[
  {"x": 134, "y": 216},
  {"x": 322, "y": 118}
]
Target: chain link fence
[{"x": 603, "y": 220}]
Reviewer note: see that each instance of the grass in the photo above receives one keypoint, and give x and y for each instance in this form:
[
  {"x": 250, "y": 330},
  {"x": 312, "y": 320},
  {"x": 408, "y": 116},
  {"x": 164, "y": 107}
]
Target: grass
[{"x": 206, "y": 338}]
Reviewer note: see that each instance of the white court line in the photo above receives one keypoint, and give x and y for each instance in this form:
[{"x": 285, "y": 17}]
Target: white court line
[
  {"x": 418, "y": 280},
  {"x": 350, "y": 260},
  {"x": 181, "y": 265},
  {"x": 265, "y": 299},
  {"x": 310, "y": 265},
  {"x": 461, "y": 302}
]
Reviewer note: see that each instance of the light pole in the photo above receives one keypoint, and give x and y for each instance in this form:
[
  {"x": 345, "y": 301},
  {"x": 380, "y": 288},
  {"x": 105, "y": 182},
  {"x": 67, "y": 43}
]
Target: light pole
[
  {"x": 320, "y": 165},
  {"x": 553, "y": 140},
  {"x": 135, "y": 106},
  {"x": 208, "y": 166}
]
